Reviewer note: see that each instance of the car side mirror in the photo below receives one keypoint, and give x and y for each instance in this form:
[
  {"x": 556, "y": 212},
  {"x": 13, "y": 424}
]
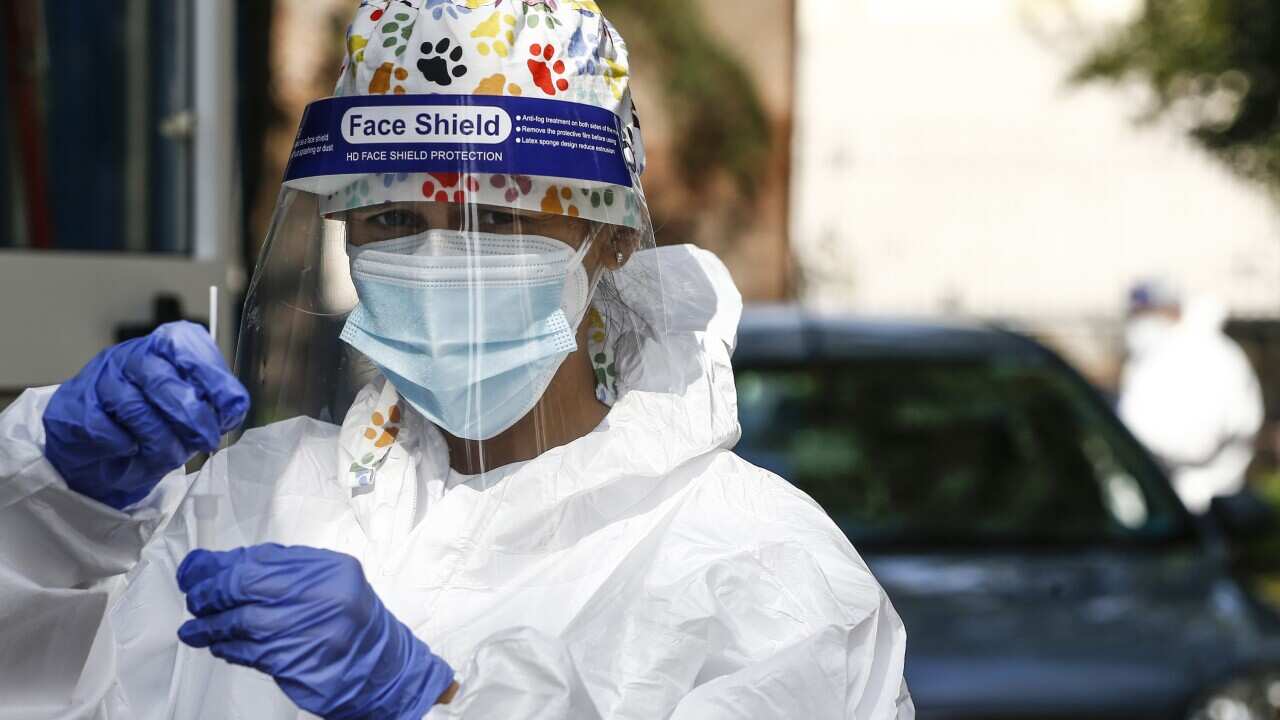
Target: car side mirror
[{"x": 1244, "y": 516}]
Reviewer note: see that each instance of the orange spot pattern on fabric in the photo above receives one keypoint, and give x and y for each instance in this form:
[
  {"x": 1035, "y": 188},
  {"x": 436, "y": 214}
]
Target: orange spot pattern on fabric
[
  {"x": 492, "y": 85},
  {"x": 380, "y": 84},
  {"x": 596, "y": 325},
  {"x": 388, "y": 437},
  {"x": 551, "y": 202}
]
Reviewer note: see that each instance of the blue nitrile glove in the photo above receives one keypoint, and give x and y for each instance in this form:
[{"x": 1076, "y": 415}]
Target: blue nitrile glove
[
  {"x": 309, "y": 619},
  {"x": 139, "y": 410}
]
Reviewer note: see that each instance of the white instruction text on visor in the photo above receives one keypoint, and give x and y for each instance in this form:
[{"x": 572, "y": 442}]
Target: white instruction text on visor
[{"x": 474, "y": 125}]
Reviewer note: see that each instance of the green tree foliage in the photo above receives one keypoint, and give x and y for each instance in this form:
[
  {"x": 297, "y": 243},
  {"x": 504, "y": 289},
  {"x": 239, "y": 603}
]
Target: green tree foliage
[
  {"x": 719, "y": 117},
  {"x": 1212, "y": 64}
]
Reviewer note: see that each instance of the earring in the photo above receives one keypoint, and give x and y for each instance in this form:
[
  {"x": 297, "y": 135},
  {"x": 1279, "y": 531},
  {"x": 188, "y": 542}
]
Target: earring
[{"x": 620, "y": 257}]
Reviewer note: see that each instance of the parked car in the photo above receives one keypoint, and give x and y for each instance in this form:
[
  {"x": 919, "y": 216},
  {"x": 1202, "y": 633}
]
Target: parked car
[{"x": 1040, "y": 559}]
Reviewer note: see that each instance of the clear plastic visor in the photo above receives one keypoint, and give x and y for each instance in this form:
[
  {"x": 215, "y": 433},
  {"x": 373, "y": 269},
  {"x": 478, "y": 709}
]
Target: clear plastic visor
[{"x": 500, "y": 326}]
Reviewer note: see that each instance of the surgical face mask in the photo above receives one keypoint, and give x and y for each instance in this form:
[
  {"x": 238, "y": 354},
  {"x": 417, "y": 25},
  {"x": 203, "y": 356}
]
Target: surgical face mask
[
  {"x": 470, "y": 328},
  {"x": 1145, "y": 332}
]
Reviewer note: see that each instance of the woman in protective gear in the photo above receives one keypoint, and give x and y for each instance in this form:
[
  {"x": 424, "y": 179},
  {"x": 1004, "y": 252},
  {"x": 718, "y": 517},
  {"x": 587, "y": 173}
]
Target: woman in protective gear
[{"x": 485, "y": 467}]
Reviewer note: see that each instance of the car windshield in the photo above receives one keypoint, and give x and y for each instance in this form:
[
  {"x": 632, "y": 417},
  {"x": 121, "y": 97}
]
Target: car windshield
[{"x": 927, "y": 452}]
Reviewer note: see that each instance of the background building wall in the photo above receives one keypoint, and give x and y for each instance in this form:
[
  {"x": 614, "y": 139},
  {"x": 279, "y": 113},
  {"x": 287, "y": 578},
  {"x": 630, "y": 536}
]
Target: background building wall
[
  {"x": 944, "y": 166},
  {"x": 749, "y": 234}
]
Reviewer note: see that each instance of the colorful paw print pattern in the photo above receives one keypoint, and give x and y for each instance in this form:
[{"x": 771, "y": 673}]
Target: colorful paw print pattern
[
  {"x": 387, "y": 75},
  {"x": 513, "y": 187},
  {"x": 439, "y": 9},
  {"x": 496, "y": 35},
  {"x": 542, "y": 13},
  {"x": 366, "y": 438},
  {"x": 396, "y": 34},
  {"x": 558, "y": 201},
  {"x": 356, "y": 194},
  {"x": 547, "y": 75},
  {"x": 586, "y": 7},
  {"x": 581, "y": 47},
  {"x": 602, "y": 357},
  {"x": 598, "y": 197},
  {"x": 599, "y": 202},
  {"x": 497, "y": 84},
  {"x": 441, "y": 65},
  {"x": 564, "y": 50},
  {"x": 383, "y": 430},
  {"x": 449, "y": 187},
  {"x": 355, "y": 47}
]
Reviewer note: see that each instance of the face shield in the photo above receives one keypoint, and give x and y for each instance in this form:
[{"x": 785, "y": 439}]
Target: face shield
[{"x": 489, "y": 260}]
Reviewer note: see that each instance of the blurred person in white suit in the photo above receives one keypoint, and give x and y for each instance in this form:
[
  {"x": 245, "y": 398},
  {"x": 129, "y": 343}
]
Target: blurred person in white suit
[{"x": 1188, "y": 392}]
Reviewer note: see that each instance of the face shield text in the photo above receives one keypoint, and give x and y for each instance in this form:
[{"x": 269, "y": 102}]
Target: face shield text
[{"x": 418, "y": 124}]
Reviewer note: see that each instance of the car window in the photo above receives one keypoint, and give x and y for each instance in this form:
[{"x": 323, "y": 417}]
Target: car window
[{"x": 931, "y": 451}]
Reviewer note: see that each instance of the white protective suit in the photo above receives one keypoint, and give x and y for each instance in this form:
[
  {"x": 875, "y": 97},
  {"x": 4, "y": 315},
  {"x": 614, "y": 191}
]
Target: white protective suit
[
  {"x": 633, "y": 573},
  {"x": 1193, "y": 399}
]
